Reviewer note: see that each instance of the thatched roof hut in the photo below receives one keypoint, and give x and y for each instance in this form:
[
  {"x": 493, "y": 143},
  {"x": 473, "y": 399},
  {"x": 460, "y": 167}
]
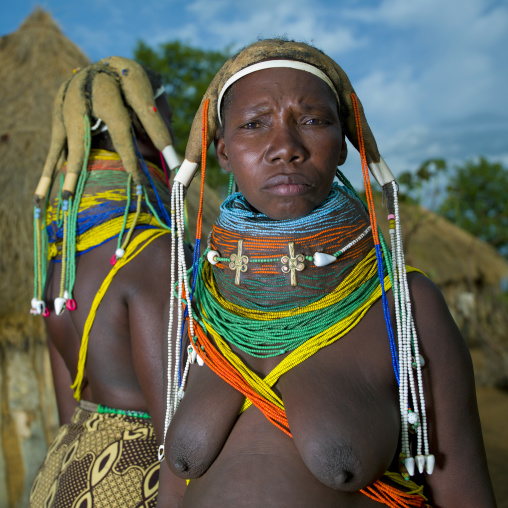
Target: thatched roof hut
[
  {"x": 468, "y": 272},
  {"x": 449, "y": 255},
  {"x": 34, "y": 61}
]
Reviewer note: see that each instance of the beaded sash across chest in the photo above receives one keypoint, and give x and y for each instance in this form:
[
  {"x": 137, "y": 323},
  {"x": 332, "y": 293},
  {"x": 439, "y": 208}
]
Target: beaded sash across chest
[
  {"x": 247, "y": 297},
  {"x": 106, "y": 206},
  {"x": 265, "y": 315}
]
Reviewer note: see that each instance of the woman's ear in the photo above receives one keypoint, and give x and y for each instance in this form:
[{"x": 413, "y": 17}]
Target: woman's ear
[
  {"x": 220, "y": 151},
  {"x": 343, "y": 151}
]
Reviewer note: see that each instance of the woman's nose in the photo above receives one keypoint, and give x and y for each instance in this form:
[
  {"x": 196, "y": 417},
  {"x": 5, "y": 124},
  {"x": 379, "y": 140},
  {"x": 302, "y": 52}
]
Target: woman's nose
[{"x": 286, "y": 145}]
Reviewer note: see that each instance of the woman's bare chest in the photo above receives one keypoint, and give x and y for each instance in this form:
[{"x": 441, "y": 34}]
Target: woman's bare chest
[{"x": 341, "y": 406}]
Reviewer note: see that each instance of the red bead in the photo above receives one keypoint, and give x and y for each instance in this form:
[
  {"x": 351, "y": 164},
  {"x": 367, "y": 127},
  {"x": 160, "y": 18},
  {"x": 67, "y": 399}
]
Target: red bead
[{"x": 71, "y": 304}]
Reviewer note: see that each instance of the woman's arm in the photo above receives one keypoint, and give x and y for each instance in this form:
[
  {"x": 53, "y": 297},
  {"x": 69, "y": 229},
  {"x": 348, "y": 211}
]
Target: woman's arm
[
  {"x": 150, "y": 276},
  {"x": 461, "y": 476},
  {"x": 65, "y": 400}
]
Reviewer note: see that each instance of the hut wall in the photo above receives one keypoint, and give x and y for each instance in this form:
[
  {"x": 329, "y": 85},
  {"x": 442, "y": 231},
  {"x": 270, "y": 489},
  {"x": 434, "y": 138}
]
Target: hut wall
[
  {"x": 29, "y": 419},
  {"x": 34, "y": 61}
]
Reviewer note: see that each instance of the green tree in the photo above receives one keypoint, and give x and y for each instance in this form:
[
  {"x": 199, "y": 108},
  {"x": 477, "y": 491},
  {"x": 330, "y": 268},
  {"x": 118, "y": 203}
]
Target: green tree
[
  {"x": 477, "y": 201},
  {"x": 186, "y": 72},
  {"x": 422, "y": 186}
]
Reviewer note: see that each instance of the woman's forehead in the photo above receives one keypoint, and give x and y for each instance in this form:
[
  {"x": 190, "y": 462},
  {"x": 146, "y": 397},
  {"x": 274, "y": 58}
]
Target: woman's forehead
[
  {"x": 277, "y": 82},
  {"x": 284, "y": 74}
]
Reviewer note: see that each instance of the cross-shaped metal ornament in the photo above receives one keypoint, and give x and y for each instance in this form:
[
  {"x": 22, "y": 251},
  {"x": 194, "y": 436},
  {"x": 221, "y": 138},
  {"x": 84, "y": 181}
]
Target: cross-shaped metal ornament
[
  {"x": 238, "y": 262},
  {"x": 293, "y": 263}
]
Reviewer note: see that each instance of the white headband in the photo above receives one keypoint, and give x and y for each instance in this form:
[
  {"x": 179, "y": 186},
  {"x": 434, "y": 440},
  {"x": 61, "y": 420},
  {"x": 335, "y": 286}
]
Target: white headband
[{"x": 271, "y": 64}]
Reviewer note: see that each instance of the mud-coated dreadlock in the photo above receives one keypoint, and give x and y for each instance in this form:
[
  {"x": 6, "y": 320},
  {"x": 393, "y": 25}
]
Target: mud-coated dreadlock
[
  {"x": 106, "y": 90},
  {"x": 101, "y": 97}
]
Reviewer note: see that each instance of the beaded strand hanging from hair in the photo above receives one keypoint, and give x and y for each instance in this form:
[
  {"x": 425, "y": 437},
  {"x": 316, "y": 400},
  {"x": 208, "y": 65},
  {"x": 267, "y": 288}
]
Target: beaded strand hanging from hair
[
  {"x": 40, "y": 256},
  {"x": 175, "y": 382},
  {"x": 199, "y": 222},
  {"x": 70, "y": 210},
  {"x": 375, "y": 232},
  {"x": 407, "y": 339},
  {"x": 411, "y": 359},
  {"x": 120, "y": 251}
]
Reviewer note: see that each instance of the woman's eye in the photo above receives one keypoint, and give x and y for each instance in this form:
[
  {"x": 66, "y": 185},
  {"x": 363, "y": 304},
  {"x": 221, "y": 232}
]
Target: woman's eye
[
  {"x": 316, "y": 121},
  {"x": 251, "y": 125}
]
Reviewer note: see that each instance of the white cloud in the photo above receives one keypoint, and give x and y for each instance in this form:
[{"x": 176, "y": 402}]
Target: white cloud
[
  {"x": 431, "y": 74},
  {"x": 225, "y": 21}
]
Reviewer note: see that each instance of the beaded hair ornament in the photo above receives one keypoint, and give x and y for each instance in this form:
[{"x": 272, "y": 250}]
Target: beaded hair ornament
[
  {"x": 407, "y": 365},
  {"x": 100, "y": 97}
]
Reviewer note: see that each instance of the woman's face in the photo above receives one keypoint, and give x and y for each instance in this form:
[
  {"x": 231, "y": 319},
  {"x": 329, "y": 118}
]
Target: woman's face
[{"x": 282, "y": 140}]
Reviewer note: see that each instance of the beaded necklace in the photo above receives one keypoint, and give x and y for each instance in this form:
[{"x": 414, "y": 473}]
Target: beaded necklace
[
  {"x": 238, "y": 312},
  {"x": 101, "y": 209},
  {"x": 123, "y": 412},
  {"x": 301, "y": 253},
  {"x": 208, "y": 346},
  {"x": 105, "y": 208}
]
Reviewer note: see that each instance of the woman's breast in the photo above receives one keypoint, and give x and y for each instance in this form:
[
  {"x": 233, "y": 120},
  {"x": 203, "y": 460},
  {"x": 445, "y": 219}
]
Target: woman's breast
[
  {"x": 260, "y": 466},
  {"x": 342, "y": 410}
]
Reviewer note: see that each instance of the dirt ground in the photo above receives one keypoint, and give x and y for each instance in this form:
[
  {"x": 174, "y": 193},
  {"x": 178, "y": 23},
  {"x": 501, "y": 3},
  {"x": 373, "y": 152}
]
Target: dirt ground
[{"x": 493, "y": 406}]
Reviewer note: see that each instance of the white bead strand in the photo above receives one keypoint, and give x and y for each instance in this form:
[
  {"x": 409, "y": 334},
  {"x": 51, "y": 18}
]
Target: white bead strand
[
  {"x": 169, "y": 388},
  {"x": 407, "y": 347}
]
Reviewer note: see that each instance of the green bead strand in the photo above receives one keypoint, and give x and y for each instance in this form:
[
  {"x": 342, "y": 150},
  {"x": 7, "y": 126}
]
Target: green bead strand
[{"x": 123, "y": 412}]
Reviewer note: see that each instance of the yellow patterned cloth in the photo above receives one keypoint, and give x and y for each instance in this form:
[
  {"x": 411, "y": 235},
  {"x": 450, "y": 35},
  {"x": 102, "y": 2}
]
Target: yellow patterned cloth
[{"x": 99, "y": 460}]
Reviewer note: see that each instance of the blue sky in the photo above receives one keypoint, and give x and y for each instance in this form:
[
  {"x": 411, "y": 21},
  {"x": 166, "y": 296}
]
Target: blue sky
[{"x": 432, "y": 74}]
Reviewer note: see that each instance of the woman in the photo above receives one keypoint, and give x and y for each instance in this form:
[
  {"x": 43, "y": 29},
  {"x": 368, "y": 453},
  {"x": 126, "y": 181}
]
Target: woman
[
  {"x": 283, "y": 413},
  {"x": 104, "y": 293}
]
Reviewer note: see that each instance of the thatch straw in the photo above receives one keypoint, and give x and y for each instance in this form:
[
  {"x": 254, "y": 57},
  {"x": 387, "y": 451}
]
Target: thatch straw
[
  {"x": 446, "y": 253},
  {"x": 34, "y": 61},
  {"x": 468, "y": 272}
]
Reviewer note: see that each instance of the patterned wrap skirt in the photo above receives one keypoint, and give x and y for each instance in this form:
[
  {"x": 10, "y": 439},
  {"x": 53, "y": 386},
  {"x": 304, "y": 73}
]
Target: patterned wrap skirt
[{"x": 99, "y": 460}]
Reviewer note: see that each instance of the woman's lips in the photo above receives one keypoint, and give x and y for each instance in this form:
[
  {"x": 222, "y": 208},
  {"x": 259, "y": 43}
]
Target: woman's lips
[{"x": 287, "y": 185}]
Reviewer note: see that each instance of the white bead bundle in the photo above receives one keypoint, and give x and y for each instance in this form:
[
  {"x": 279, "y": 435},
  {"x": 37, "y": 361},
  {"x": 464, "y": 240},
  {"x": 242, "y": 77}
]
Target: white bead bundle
[
  {"x": 175, "y": 387},
  {"x": 410, "y": 361}
]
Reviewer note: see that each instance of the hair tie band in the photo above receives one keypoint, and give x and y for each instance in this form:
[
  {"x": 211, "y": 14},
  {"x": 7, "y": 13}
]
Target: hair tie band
[{"x": 275, "y": 64}]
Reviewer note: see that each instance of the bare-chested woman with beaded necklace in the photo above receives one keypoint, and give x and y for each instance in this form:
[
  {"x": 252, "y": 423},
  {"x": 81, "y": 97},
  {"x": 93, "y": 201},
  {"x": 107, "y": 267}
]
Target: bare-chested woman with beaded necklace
[
  {"x": 106, "y": 228},
  {"x": 318, "y": 374}
]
